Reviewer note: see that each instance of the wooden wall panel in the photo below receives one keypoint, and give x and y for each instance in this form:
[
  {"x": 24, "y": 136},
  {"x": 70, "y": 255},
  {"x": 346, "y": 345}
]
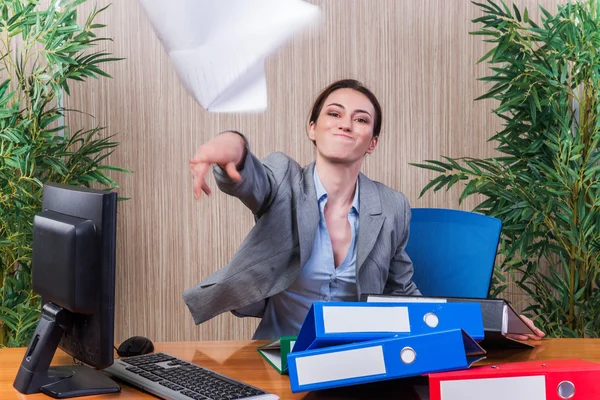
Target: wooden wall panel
[{"x": 417, "y": 56}]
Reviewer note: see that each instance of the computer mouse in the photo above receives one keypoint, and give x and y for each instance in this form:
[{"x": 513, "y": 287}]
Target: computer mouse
[{"x": 135, "y": 346}]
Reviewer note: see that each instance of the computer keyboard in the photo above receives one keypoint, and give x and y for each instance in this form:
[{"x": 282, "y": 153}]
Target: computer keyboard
[{"x": 172, "y": 378}]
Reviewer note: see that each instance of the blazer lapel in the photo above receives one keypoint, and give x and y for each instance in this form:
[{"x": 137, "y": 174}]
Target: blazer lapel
[
  {"x": 370, "y": 219},
  {"x": 307, "y": 213}
]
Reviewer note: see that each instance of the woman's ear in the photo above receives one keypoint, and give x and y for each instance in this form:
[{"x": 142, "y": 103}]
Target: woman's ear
[
  {"x": 311, "y": 131},
  {"x": 373, "y": 144}
]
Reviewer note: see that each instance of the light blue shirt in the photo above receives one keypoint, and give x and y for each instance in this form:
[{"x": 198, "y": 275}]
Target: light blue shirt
[{"x": 319, "y": 279}]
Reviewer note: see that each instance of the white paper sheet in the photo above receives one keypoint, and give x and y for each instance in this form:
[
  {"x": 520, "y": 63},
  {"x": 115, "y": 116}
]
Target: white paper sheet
[{"x": 219, "y": 47}]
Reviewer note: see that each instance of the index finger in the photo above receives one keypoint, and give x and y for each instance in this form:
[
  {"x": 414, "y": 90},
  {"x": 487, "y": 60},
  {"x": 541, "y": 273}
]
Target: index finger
[{"x": 199, "y": 171}]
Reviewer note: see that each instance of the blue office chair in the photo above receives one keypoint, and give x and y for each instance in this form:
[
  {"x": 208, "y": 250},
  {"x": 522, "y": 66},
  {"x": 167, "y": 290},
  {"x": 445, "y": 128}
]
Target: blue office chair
[{"x": 453, "y": 251}]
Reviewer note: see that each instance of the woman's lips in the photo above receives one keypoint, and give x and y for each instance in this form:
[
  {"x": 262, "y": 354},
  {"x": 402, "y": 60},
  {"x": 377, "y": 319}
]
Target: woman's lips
[{"x": 343, "y": 136}]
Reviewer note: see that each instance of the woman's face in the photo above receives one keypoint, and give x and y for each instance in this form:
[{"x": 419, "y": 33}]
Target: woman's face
[{"x": 343, "y": 132}]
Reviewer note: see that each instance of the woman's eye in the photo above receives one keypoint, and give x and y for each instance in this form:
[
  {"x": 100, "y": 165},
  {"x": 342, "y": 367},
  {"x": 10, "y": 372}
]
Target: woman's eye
[
  {"x": 333, "y": 114},
  {"x": 362, "y": 120}
]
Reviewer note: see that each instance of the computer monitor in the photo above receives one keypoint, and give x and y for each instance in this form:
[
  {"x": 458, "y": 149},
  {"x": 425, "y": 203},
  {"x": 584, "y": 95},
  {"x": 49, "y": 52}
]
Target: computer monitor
[{"x": 73, "y": 269}]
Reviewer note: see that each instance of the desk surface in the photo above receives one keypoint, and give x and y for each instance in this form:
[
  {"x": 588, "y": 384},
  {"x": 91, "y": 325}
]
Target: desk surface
[{"x": 240, "y": 360}]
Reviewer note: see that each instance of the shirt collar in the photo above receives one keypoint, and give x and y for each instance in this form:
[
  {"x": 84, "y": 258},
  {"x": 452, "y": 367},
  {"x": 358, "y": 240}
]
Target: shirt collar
[{"x": 322, "y": 193}]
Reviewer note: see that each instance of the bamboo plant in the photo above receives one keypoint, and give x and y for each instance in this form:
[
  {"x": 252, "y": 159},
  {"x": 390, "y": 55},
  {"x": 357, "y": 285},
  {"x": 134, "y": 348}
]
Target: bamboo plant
[
  {"x": 43, "y": 51},
  {"x": 545, "y": 183}
]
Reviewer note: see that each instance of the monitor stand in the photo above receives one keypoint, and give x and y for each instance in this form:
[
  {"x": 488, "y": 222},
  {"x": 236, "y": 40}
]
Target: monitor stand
[{"x": 35, "y": 373}]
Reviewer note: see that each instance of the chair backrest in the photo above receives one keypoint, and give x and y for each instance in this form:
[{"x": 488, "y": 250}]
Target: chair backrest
[{"x": 453, "y": 251}]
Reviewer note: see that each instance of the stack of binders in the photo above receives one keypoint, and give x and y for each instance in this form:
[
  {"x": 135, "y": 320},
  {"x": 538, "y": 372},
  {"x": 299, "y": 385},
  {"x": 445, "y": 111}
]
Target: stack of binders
[{"x": 343, "y": 343}]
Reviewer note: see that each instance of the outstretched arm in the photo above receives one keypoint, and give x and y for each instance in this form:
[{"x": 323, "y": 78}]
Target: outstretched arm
[{"x": 237, "y": 171}]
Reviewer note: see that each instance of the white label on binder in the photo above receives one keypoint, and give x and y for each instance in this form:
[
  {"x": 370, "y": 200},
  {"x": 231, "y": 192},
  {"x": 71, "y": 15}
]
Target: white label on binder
[
  {"x": 404, "y": 299},
  {"x": 338, "y": 319},
  {"x": 517, "y": 388},
  {"x": 339, "y": 365}
]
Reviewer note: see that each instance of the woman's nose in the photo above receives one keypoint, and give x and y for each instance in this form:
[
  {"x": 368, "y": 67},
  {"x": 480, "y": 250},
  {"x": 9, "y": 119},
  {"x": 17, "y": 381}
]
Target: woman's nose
[{"x": 345, "y": 125}]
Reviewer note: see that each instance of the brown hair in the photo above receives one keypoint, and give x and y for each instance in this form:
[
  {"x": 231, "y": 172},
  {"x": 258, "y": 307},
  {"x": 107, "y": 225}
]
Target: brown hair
[{"x": 347, "y": 84}]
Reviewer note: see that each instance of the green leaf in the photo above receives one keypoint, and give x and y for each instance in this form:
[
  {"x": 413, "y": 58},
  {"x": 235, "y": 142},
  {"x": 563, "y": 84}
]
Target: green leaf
[
  {"x": 427, "y": 166},
  {"x": 487, "y": 55},
  {"x": 113, "y": 168},
  {"x": 470, "y": 189},
  {"x": 431, "y": 183},
  {"x": 546, "y": 13}
]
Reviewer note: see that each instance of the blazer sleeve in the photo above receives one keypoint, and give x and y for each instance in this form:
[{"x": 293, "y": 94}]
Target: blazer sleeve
[
  {"x": 399, "y": 280},
  {"x": 256, "y": 310},
  {"x": 260, "y": 180}
]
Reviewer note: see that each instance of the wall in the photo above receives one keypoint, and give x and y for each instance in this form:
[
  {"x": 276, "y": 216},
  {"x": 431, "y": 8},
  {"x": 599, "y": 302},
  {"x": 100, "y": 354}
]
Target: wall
[{"x": 417, "y": 56}]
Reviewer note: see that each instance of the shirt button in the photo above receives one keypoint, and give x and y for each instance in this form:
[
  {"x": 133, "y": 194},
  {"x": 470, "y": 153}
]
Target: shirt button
[
  {"x": 331, "y": 276},
  {"x": 326, "y": 298}
]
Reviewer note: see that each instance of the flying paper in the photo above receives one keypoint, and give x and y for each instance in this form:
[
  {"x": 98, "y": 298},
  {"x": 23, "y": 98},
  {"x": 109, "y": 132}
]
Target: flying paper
[{"x": 219, "y": 47}]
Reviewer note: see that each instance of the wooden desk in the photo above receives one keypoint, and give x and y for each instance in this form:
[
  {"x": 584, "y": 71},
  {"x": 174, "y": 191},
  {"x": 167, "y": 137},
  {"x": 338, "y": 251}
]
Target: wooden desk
[{"x": 240, "y": 360}]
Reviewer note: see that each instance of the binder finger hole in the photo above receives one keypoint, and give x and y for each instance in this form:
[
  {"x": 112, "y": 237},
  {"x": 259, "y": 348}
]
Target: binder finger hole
[
  {"x": 408, "y": 355},
  {"x": 566, "y": 390},
  {"x": 431, "y": 320}
]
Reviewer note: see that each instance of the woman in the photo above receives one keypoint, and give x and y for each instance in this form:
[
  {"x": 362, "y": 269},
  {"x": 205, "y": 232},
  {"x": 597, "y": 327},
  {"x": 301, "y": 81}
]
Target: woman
[{"x": 324, "y": 232}]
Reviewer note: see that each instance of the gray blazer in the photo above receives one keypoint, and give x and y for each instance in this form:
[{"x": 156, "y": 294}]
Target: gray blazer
[{"x": 282, "y": 196}]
